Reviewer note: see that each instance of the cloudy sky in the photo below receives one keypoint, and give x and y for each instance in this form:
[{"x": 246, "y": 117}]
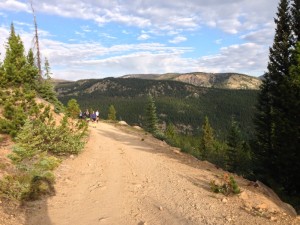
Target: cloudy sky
[{"x": 101, "y": 38}]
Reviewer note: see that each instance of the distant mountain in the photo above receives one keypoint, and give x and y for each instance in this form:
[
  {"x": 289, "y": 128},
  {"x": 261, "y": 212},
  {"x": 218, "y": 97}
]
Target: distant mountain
[
  {"x": 56, "y": 81},
  {"x": 216, "y": 80}
]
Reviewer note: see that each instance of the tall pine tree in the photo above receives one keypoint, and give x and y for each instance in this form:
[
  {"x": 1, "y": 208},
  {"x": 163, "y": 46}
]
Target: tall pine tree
[
  {"x": 207, "y": 139},
  {"x": 289, "y": 135},
  {"x": 270, "y": 101},
  {"x": 277, "y": 120},
  {"x": 32, "y": 72},
  {"x": 151, "y": 117},
  {"x": 295, "y": 9},
  {"x": 112, "y": 113},
  {"x": 15, "y": 60}
]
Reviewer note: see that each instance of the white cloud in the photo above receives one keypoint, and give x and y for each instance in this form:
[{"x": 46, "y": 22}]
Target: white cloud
[
  {"x": 106, "y": 35},
  {"x": 86, "y": 29},
  {"x": 143, "y": 37},
  {"x": 262, "y": 36},
  {"x": 178, "y": 39},
  {"x": 3, "y": 15},
  {"x": 14, "y": 5},
  {"x": 92, "y": 60},
  {"x": 251, "y": 21},
  {"x": 218, "y": 42},
  {"x": 249, "y": 58},
  {"x": 232, "y": 16}
]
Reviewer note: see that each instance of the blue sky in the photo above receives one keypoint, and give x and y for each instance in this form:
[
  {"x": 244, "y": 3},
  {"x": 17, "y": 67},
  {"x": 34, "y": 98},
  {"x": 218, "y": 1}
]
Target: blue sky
[{"x": 101, "y": 38}]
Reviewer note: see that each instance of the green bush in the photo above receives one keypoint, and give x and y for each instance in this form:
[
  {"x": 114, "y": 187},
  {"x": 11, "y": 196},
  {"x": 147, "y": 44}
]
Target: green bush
[
  {"x": 227, "y": 187},
  {"x": 14, "y": 186},
  {"x": 35, "y": 140},
  {"x": 46, "y": 137}
]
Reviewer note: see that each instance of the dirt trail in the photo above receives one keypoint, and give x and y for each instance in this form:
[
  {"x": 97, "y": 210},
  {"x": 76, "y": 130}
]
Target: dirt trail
[{"x": 128, "y": 178}]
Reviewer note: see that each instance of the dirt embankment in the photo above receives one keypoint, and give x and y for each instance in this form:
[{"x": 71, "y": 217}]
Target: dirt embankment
[{"x": 127, "y": 177}]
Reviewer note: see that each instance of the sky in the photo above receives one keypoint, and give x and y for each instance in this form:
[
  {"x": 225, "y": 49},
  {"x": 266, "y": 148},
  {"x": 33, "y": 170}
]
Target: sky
[{"x": 111, "y": 38}]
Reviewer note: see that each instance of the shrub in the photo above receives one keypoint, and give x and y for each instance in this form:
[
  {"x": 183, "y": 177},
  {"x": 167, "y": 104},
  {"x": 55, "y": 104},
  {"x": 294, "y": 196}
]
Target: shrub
[
  {"x": 159, "y": 135},
  {"x": 112, "y": 113},
  {"x": 12, "y": 186},
  {"x": 227, "y": 187}
]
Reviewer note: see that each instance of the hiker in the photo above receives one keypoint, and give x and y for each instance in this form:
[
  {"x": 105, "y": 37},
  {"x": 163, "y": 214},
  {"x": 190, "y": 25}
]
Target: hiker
[
  {"x": 87, "y": 115},
  {"x": 80, "y": 115},
  {"x": 97, "y": 116},
  {"x": 93, "y": 117}
]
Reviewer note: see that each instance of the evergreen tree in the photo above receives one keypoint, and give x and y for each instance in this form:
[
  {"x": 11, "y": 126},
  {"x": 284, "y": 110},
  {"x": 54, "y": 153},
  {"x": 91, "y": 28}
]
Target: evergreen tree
[
  {"x": 234, "y": 142},
  {"x": 46, "y": 90},
  {"x": 112, "y": 113},
  {"x": 277, "y": 121},
  {"x": 295, "y": 9},
  {"x": 207, "y": 139},
  {"x": 47, "y": 70},
  {"x": 151, "y": 117},
  {"x": 171, "y": 135},
  {"x": 73, "y": 108},
  {"x": 32, "y": 72},
  {"x": 238, "y": 152},
  {"x": 289, "y": 139},
  {"x": 15, "y": 60},
  {"x": 170, "y": 131},
  {"x": 270, "y": 97}
]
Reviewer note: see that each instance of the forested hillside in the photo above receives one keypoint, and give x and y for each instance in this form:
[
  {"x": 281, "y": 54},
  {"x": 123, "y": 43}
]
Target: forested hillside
[{"x": 182, "y": 104}]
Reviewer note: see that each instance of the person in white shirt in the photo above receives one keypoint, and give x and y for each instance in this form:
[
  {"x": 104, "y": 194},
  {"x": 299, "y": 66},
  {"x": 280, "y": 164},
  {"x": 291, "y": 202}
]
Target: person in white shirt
[{"x": 97, "y": 116}]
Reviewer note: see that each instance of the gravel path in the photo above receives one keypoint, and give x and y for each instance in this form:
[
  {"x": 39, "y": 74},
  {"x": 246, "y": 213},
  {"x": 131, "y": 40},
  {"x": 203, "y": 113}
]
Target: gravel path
[{"x": 127, "y": 177}]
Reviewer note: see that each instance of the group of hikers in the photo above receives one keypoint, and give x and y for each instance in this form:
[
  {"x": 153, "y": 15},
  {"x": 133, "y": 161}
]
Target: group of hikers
[{"x": 94, "y": 116}]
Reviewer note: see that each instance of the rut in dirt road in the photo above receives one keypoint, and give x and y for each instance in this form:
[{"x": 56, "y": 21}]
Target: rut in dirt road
[{"x": 124, "y": 178}]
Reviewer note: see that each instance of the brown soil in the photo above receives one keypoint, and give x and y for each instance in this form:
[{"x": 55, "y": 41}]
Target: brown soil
[{"x": 127, "y": 177}]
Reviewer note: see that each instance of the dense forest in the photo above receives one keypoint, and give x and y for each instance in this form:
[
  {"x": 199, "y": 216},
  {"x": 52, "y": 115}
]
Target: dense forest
[{"x": 181, "y": 104}]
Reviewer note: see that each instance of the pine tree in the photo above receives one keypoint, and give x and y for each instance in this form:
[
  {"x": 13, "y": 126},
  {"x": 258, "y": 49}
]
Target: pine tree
[
  {"x": 289, "y": 142},
  {"x": 170, "y": 131},
  {"x": 47, "y": 70},
  {"x": 73, "y": 108},
  {"x": 270, "y": 101},
  {"x": 45, "y": 88},
  {"x": 238, "y": 152},
  {"x": 15, "y": 60},
  {"x": 264, "y": 129},
  {"x": 286, "y": 117},
  {"x": 112, "y": 113},
  {"x": 151, "y": 117},
  {"x": 295, "y": 10},
  {"x": 277, "y": 121},
  {"x": 32, "y": 72},
  {"x": 207, "y": 139},
  {"x": 234, "y": 142}
]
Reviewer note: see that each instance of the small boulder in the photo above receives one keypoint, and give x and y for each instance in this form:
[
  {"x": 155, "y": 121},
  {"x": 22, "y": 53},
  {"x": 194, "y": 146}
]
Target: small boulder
[{"x": 123, "y": 123}]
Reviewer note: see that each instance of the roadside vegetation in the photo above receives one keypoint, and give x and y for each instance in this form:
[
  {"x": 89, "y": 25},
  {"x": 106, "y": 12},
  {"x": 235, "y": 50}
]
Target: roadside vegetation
[{"x": 32, "y": 116}]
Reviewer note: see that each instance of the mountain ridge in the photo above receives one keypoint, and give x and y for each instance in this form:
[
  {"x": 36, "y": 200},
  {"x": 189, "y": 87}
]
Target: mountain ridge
[{"x": 203, "y": 79}]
